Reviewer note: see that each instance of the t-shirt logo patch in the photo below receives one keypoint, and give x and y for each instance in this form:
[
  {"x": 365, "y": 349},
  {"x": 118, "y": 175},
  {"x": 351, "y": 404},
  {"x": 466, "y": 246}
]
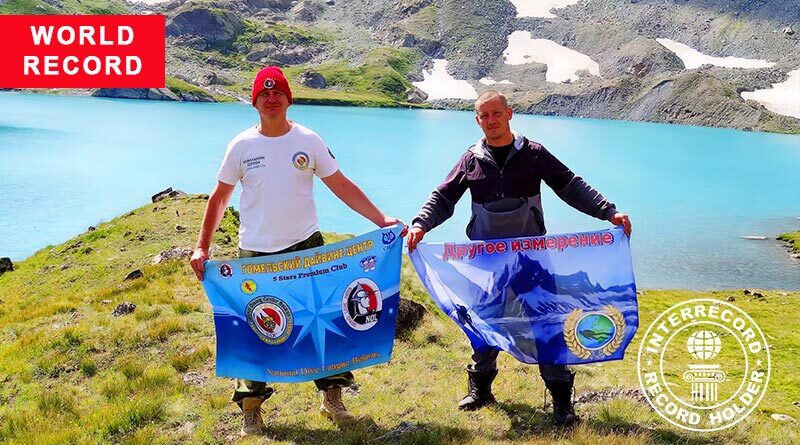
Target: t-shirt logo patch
[
  {"x": 300, "y": 160},
  {"x": 269, "y": 84}
]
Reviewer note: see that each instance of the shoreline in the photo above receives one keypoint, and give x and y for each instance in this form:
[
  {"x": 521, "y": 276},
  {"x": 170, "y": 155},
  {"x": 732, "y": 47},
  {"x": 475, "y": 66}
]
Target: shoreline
[
  {"x": 443, "y": 105},
  {"x": 100, "y": 230},
  {"x": 791, "y": 241}
]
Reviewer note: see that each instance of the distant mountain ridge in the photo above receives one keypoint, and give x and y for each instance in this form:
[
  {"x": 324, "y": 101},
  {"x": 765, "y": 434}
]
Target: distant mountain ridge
[{"x": 370, "y": 52}]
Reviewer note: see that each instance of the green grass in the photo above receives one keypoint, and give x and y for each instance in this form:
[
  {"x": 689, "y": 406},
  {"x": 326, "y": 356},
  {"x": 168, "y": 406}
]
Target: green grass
[
  {"x": 311, "y": 96},
  {"x": 381, "y": 77},
  {"x": 380, "y": 81},
  {"x": 27, "y": 7},
  {"x": 73, "y": 373},
  {"x": 793, "y": 239},
  {"x": 279, "y": 34},
  {"x": 179, "y": 86},
  {"x": 95, "y": 7},
  {"x": 70, "y": 7},
  {"x": 226, "y": 59},
  {"x": 422, "y": 24}
]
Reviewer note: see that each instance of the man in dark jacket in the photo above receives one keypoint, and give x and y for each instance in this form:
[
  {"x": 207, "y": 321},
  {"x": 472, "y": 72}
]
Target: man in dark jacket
[{"x": 503, "y": 172}]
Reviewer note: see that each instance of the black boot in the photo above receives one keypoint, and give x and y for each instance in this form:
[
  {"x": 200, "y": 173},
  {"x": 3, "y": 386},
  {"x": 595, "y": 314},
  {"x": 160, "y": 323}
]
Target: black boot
[
  {"x": 563, "y": 412},
  {"x": 479, "y": 390}
]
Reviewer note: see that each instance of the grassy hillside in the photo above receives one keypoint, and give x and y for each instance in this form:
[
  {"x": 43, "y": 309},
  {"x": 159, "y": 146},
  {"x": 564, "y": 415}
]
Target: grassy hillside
[
  {"x": 72, "y": 373},
  {"x": 69, "y": 7},
  {"x": 793, "y": 239},
  {"x": 380, "y": 81},
  {"x": 181, "y": 88}
]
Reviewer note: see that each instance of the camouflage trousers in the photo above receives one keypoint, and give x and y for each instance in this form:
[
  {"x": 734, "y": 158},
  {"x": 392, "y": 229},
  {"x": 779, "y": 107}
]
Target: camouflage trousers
[{"x": 251, "y": 388}]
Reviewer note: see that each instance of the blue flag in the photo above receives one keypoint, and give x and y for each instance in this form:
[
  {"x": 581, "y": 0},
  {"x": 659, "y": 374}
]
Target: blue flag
[
  {"x": 309, "y": 314},
  {"x": 561, "y": 299}
]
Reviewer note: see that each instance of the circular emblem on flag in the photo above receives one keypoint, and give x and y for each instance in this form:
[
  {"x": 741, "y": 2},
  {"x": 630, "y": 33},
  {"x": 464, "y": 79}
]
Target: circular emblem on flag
[
  {"x": 595, "y": 331},
  {"x": 269, "y": 84},
  {"x": 300, "y": 160},
  {"x": 270, "y": 318},
  {"x": 362, "y": 304},
  {"x": 249, "y": 286},
  {"x": 225, "y": 270},
  {"x": 594, "y": 335},
  {"x": 388, "y": 238},
  {"x": 368, "y": 263}
]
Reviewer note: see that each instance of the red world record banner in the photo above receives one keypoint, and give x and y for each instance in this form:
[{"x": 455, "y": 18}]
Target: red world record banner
[{"x": 82, "y": 51}]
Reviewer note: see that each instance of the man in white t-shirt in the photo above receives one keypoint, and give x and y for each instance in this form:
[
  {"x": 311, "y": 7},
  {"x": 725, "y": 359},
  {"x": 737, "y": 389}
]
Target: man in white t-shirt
[{"x": 276, "y": 162}]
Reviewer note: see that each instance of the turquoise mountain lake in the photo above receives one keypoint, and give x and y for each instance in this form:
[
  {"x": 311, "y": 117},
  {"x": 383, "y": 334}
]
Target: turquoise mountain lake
[{"x": 70, "y": 162}]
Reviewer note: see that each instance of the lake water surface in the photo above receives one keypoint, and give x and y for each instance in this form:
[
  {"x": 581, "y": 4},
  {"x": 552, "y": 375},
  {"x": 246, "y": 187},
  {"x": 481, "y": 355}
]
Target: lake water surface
[{"x": 70, "y": 162}]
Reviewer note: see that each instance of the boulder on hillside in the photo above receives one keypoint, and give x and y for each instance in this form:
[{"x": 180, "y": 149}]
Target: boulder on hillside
[
  {"x": 307, "y": 10},
  {"x": 269, "y": 4},
  {"x": 416, "y": 96},
  {"x": 176, "y": 253},
  {"x": 782, "y": 417},
  {"x": 195, "y": 96},
  {"x": 313, "y": 79},
  {"x": 134, "y": 275},
  {"x": 256, "y": 55},
  {"x": 640, "y": 58},
  {"x": 410, "y": 7},
  {"x": 400, "y": 37},
  {"x": 136, "y": 93},
  {"x": 6, "y": 265},
  {"x": 194, "y": 378},
  {"x": 409, "y": 316},
  {"x": 168, "y": 193},
  {"x": 292, "y": 56},
  {"x": 403, "y": 431},
  {"x": 212, "y": 79},
  {"x": 124, "y": 308},
  {"x": 189, "y": 41},
  {"x": 211, "y": 24}
]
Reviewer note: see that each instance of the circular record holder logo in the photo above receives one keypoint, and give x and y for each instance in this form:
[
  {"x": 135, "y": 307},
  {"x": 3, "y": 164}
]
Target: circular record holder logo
[
  {"x": 300, "y": 160},
  {"x": 270, "y": 318},
  {"x": 704, "y": 365},
  {"x": 362, "y": 304}
]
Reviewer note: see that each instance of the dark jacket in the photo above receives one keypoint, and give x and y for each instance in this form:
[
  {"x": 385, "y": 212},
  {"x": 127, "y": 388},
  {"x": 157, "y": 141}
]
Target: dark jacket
[{"x": 506, "y": 202}]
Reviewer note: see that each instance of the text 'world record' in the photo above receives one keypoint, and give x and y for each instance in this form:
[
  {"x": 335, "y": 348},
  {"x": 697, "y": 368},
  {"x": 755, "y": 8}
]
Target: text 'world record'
[{"x": 57, "y": 51}]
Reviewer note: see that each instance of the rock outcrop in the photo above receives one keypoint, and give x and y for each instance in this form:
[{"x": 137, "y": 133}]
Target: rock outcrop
[
  {"x": 6, "y": 265},
  {"x": 312, "y": 79},
  {"x": 136, "y": 93},
  {"x": 168, "y": 193},
  {"x": 210, "y": 24}
]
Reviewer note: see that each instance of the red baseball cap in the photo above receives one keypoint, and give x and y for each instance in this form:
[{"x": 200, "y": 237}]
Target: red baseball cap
[{"x": 271, "y": 78}]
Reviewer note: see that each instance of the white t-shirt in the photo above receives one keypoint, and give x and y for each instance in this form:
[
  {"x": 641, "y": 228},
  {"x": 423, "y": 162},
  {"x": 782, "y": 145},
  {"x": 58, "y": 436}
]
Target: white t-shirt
[{"x": 277, "y": 206}]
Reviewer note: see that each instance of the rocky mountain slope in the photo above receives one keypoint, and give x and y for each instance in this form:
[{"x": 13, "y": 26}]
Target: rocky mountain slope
[{"x": 370, "y": 52}]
